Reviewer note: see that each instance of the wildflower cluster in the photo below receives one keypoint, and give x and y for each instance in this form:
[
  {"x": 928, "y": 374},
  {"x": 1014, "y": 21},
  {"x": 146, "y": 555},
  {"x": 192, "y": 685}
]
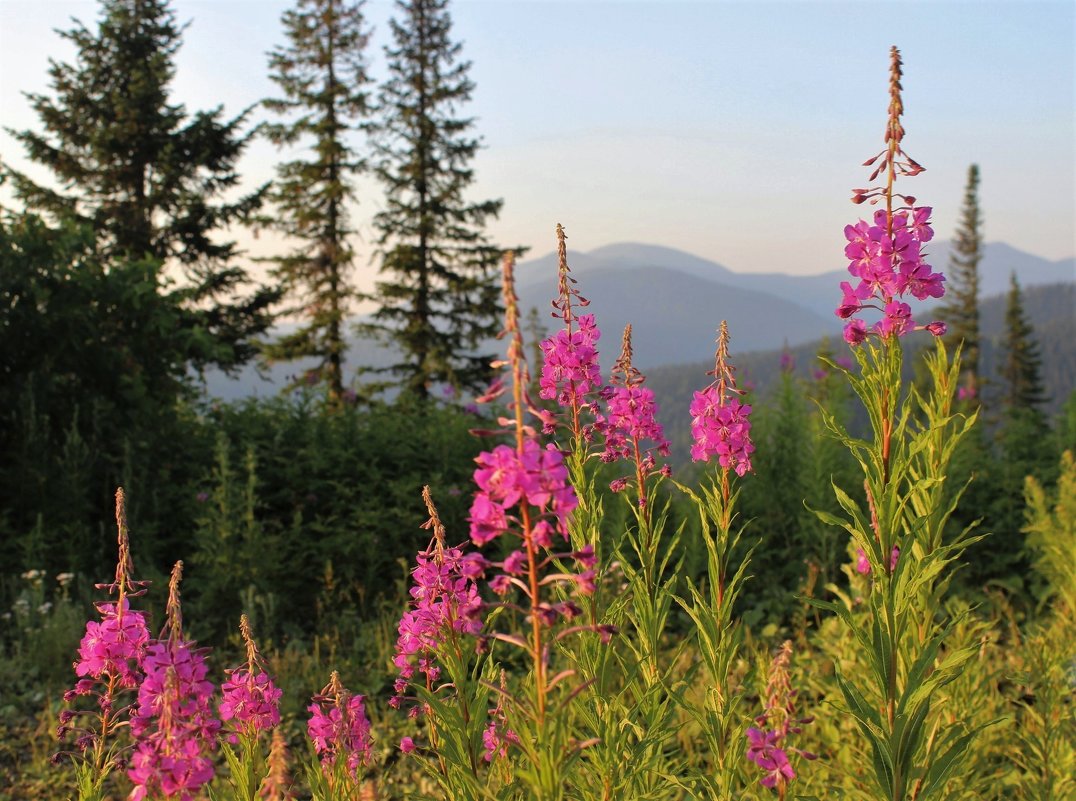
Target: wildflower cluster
[
  {"x": 720, "y": 424},
  {"x": 631, "y": 421},
  {"x": 445, "y": 602},
  {"x": 886, "y": 255},
  {"x": 530, "y": 475},
  {"x": 174, "y": 724},
  {"x": 767, "y": 745},
  {"x": 111, "y": 656},
  {"x": 524, "y": 489},
  {"x": 339, "y": 728},
  {"x": 570, "y": 370},
  {"x": 248, "y": 696},
  {"x": 112, "y": 648}
]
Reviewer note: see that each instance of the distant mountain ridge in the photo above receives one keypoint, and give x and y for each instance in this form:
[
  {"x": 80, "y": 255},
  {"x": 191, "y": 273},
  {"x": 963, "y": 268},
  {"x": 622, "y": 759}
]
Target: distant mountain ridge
[
  {"x": 818, "y": 293},
  {"x": 675, "y": 301},
  {"x": 674, "y": 315}
]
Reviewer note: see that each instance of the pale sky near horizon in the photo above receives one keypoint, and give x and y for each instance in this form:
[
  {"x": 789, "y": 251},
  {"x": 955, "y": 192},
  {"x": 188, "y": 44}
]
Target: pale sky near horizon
[{"x": 732, "y": 130}]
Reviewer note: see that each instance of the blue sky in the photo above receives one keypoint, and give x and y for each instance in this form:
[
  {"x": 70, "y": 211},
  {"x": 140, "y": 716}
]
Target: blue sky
[{"x": 732, "y": 130}]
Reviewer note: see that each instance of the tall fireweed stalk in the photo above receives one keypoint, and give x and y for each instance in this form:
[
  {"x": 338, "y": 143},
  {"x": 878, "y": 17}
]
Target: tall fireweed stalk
[
  {"x": 499, "y": 718},
  {"x": 629, "y": 713},
  {"x": 110, "y": 669},
  {"x": 721, "y": 436},
  {"x": 905, "y": 657},
  {"x": 525, "y": 501},
  {"x": 649, "y": 556},
  {"x": 174, "y": 725},
  {"x": 249, "y": 710}
]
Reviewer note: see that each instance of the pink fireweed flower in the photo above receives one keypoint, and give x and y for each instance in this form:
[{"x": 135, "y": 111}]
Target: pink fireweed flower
[
  {"x": 251, "y": 699},
  {"x": 855, "y": 332},
  {"x": 721, "y": 430},
  {"x": 763, "y": 751},
  {"x": 631, "y": 418},
  {"x": 506, "y": 477},
  {"x": 113, "y": 647},
  {"x": 496, "y": 739},
  {"x": 630, "y": 427},
  {"x": 339, "y": 728},
  {"x": 897, "y": 319},
  {"x": 853, "y": 298},
  {"x": 249, "y": 696},
  {"x": 863, "y": 564},
  {"x": 445, "y": 603},
  {"x": 767, "y": 747},
  {"x": 720, "y": 423},
  {"x": 174, "y": 726},
  {"x": 110, "y": 654},
  {"x": 570, "y": 369},
  {"x": 886, "y": 254}
]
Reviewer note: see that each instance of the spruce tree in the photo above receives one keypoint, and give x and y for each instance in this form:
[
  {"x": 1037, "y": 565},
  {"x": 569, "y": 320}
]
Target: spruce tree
[
  {"x": 961, "y": 310},
  {"x": 322, "y": 73},
  {"x": 144, "y": 174},
  {"x": 1021, "y": 363},
  {"x": 1026, "y": 445},
  {"x": 972, "y": 470},
  {"x": 439, "y": 300}
]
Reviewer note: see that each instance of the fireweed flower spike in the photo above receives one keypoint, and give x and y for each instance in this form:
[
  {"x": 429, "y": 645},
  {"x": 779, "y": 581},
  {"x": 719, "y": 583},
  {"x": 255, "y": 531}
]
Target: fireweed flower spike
[
  {"x": 443, "y": 658},
  {"x": 886, "y": 254},
  {"x": 523, "y": 491},
  {"x": 174, "y": 725},
  {"x": 445, "y": 606},
  {"x": 248, "y": 696},
  {"x": 767, "y": 743},
  {"x": 110, "y": 661},
  {"x": 570, "y": 369},
  {"x": 340, "y": 731},
  {"x": 720, "y": 424},
  {"x": 498, "y": 737},
  {"x": 630, "y": 423},
  {"x": 249, "y": 707}
]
